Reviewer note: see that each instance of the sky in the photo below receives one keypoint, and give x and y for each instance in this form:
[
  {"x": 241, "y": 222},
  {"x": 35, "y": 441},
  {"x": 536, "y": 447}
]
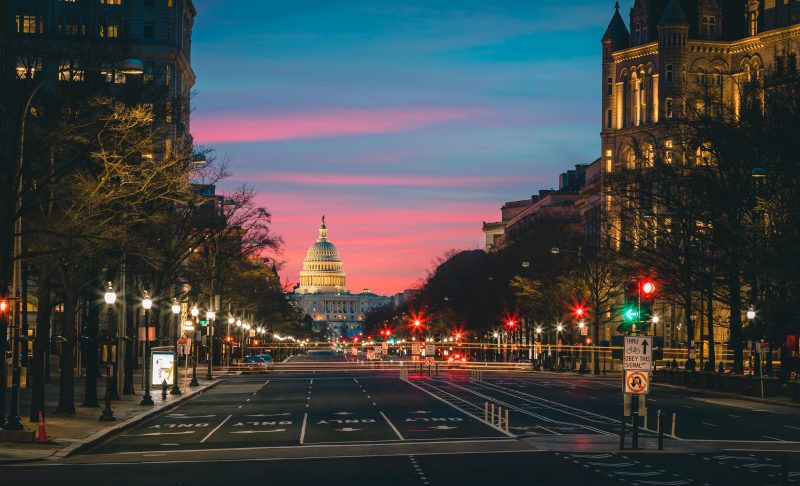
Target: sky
[{"x": 407, "y": 123}]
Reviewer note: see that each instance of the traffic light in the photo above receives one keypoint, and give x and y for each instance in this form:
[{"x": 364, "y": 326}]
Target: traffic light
[
  {"x": 630, "y": 307},
  {"x": 647, "y": 299},
  {"x": 5, "y": 305}
]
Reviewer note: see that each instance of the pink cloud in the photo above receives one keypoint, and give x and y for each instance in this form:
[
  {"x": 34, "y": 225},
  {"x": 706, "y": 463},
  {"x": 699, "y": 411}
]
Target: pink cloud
[
  {"x": 389, "y": 180},
  {"x": 208, "y": 129}
]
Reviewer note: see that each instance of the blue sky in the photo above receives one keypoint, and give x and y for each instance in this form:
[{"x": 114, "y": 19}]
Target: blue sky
[{"x": 407, "y": 122}]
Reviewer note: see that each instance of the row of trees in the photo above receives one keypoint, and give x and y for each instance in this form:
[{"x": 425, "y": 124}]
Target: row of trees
[
  {"x": 707, "y": 206},
  {"x": 106, "y": 194}
]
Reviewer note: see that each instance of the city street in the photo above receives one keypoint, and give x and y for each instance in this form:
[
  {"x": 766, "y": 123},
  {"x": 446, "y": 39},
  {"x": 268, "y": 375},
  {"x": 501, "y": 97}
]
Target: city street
[{"x": 354, "y": 425}]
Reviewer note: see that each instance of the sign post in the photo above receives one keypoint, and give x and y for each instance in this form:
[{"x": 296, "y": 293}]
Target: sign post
[{"x": 637, "y": 360}]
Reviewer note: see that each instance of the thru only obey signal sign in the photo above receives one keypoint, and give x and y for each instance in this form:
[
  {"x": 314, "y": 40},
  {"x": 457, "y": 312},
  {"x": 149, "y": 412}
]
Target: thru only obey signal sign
[{"x": 637, "y": 353}]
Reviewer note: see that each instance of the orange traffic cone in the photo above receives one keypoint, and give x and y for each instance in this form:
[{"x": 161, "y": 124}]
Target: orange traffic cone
[{"x": 43, "y": 438}]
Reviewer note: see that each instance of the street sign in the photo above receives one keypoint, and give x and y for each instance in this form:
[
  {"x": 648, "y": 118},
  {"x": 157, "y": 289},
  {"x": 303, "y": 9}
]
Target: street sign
[
  {"x": 203, "y": 322},
  {"x": 636, "y": 382},
  {"x": 415, "y": 348},
  {"x": 638, "y": 353},
  {"x": 430, "y": 350},
  {"x": 584, "y": 331}
]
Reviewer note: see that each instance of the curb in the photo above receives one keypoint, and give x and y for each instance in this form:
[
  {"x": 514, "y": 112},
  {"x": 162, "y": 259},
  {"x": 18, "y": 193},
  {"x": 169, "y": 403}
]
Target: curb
[
  {"x": 720, "y": 394},
  {"x": 93, "y": 439}
]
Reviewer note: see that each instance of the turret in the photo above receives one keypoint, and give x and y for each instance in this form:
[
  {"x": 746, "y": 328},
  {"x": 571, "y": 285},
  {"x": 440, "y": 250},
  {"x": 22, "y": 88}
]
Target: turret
[
  {"x": 616, "y": 37},
  {"x": 673, "y": 34}
]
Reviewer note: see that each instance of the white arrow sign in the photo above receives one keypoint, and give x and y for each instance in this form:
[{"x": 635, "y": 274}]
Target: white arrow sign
[
  {"x": 443, "y": 427},
  {"x": 422, "y": 411},
  {"x": 165, "y": 433},
  {"x": 347, "y": 429},
  {"x": 343, "y": 413},
  {"x": 257, "y": 431}
]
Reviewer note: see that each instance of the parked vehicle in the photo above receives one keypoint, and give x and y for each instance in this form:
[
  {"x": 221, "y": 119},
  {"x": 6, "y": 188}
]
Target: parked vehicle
[
  {"x": 254, "y": 362},
  {"x": 267, "y": 360}
]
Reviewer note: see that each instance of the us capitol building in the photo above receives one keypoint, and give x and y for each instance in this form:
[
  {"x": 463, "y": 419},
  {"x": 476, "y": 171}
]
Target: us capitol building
[{"x": 322, "y": 292}]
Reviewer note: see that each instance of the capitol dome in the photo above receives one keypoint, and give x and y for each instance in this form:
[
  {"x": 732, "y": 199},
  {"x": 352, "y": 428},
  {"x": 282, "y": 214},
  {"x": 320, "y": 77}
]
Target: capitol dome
[{"x": 322, "y": 268}]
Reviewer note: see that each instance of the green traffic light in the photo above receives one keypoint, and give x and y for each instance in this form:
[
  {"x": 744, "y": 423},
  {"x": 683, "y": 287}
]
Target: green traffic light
[{"x": 631, "y": 314}]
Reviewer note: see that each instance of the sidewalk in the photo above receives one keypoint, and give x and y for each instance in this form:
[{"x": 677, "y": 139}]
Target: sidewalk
[{"x": 72, "y": 433}]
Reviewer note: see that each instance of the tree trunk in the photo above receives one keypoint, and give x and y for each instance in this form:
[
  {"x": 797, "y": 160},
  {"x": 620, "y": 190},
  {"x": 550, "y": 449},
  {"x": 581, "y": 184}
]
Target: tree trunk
[
  {"x": 66, "y": 385},
  {"x": 41, "y": 343},
  {"x": 710, "y": 318},
  {"x": 90, "y": 356},
  {"x": 734, "y": 290},
  {"x": 687, "y": 311}
]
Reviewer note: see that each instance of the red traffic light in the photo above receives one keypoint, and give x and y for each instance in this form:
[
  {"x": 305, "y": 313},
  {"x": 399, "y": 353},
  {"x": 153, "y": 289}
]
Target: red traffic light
[
  {"x": 4, "y": 305},
  {"x": 417, "y": 323},
  {"x": 648, "y": 287},
  {"x": 511, "y": 323}
]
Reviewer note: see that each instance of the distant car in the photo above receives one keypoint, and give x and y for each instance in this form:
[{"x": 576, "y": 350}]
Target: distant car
[
  {"x": 267, "y": 360},
  {"x": 524, "y": 364},
  {"x": 254, "y": 362},
  {"x": 456, "y": 359}
]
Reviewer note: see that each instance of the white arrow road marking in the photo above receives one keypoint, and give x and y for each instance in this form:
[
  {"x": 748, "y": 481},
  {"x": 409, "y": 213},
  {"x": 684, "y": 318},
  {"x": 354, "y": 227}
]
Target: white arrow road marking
[
  {"x": 184, "y": 416},
  {"x": 347, "y": 429},
  {"x": 268, "y": 414},
  {"x": 422, "y": 411},
  {"x": 257, "y": 431},
  {"x": 443, "y": 427},
  {"x": 164, "y": 433},
  {"x": 343, "y": 413}
]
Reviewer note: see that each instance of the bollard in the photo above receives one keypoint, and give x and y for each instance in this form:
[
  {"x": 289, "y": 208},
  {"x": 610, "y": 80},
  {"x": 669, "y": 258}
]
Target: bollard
[
  {"x": 660, "y": 426},
  {"x": 506, "y": 420},
  {"x": 499, "y": 417},
  {"x": 674, "y": 422},
  {"x": 645, "y": 419},
  {"x": 486, "y": 412},
  {"x": 635, "y": 422},
  {"x": 622, "y": 434},
  {"x": 492, "y": 422},
  {"x": 164, "y": 390}
]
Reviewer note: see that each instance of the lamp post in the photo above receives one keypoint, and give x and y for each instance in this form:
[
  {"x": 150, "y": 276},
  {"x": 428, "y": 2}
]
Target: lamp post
[
  {"x": 147, "y": 303},
  {"x": 229, "y": 339},
  {"x": 195, "y": 312},
  {"x": 108, "y": 415},
  {"x": 176, "y": 313}
]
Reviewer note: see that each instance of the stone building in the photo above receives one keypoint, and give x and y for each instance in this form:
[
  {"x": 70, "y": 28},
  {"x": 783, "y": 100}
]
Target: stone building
[{"x": 676, "y": 58}]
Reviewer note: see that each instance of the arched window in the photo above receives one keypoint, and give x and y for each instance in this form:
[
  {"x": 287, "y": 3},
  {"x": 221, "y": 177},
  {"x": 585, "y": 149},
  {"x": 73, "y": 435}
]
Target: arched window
[
  {"x": 701, "y": 77},
  {"x": 648, "y": 155},
  {"x": 629, "y": 158},
  {"x": 703, "y": 155}
]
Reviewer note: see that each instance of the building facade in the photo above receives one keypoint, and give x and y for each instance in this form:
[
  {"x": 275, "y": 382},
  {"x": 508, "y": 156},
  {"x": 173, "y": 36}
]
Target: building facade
[
  {"x": 322, "y": 292},
  {"x": 675, "y": 59}
]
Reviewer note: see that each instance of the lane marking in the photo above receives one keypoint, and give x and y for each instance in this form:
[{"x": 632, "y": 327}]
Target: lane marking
[
  {"x": 706, "y": 423},
  {"x": 773, "y": 438},
  {"x": 458, "y": 408},
  {"x": 303, "y": 430},
  {"x": 215, "y": 429},
  {"x": 791, "y": 427},
  {"x": 312, "y": 382},
  {"x": 392, "y": 425}
]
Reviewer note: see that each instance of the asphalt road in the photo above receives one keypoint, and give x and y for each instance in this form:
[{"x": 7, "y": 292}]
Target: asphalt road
[{"x": 373, "y": 427}]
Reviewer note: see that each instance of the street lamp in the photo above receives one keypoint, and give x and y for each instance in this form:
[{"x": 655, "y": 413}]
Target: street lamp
[
  {"x": 210, "y": 336},
  {"x": 176, "y": 311},
  {"x": 147, "y": 303},
  {"x": 107, "y": 351},
  {"x": 195, "y": 312},
  {"x": 751, "y": 313}
]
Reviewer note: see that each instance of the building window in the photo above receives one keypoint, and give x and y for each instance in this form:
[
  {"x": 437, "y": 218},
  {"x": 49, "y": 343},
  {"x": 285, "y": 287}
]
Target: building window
[
  {"x": 637, "y": 33},
  {"x": 168, "y": 75},
  {"x": 610, "y": 87},
  {"x": 169, "y": 3},
  {"x": 753, "y": 22},
  {"x": 791, "y": 64},
  {"x": 668, "y": 108},
  {"x": 111, "y": 2},
  {"x": 609, "y": 119},
  {"x": 29, "y": 24},
  {"x": 668, "y": 151},
  {"x": 669, "y": 73},
  {"x": 28, "y": 67},
  {"x": 708, "y": 27},
  {"x": 149, "y": 31},
  {"x": 110, "y": 27},
  {"x": 648, "y": 155},
  {"x": 68, "y": 70},
  {"x": 70, "y": 23}
]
